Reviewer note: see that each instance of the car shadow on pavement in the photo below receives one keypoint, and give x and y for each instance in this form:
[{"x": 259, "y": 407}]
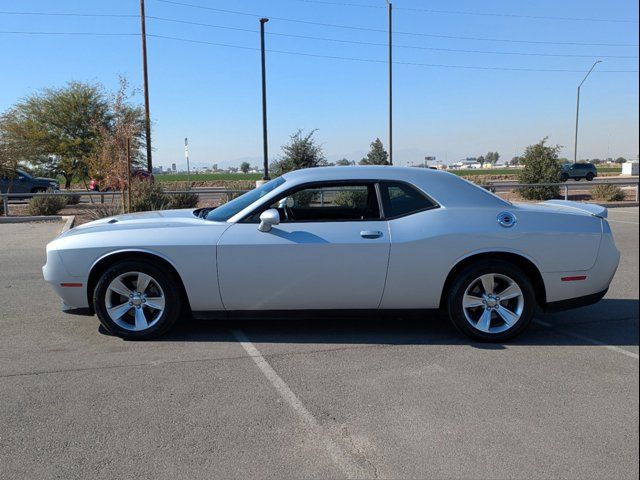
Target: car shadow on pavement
[{"x": 612, "y": 322}]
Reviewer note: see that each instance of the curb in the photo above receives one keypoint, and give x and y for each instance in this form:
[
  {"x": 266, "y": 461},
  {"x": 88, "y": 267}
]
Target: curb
[{"x": 68, "y": 219}]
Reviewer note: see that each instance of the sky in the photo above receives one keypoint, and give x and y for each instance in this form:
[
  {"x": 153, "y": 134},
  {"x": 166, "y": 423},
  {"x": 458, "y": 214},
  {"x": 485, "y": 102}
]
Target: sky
[{"x": 453, "y": 97}]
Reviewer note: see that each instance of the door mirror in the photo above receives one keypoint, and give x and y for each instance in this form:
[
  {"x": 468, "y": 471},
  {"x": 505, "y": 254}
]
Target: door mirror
[{"x": 268, "y": 219}]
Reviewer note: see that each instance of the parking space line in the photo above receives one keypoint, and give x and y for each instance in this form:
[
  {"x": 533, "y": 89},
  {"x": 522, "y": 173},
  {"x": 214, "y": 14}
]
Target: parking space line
[
  {"x": 343, "y": 461},
  {"x": 588, "y": 339}
]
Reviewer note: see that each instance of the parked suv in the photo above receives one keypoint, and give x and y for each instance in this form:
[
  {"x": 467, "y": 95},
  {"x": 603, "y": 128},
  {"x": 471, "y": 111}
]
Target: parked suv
[
  {"x": 578, "y": 171},
  {"x": 137, "y": 174},
  {"x": 22, "y": 182}
]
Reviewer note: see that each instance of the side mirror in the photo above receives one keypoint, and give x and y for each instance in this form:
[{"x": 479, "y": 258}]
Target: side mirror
[{"x": 268, "y": 219}]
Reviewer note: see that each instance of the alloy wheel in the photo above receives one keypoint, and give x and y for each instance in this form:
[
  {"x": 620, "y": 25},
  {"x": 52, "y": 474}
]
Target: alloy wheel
[
  {"x": 493, "y": 303},
  {"x": 135, "y": 301}
]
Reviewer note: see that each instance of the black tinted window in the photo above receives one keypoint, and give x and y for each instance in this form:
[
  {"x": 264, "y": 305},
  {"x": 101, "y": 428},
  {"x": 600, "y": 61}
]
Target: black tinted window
[
  {"x": 401, "y": 199},
  {"x": 330, "y": 203}
]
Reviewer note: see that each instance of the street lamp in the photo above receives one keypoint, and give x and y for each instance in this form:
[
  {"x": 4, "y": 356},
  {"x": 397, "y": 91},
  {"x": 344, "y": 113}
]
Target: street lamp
[
  {"x": 575, "y": 149},
  {"x": 390, "y": 15}
]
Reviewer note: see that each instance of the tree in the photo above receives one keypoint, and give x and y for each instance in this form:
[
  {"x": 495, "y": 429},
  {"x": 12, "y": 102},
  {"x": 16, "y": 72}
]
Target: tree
[
  {"x": 540, "y": 166},
  {"x": 124, "y": 122},
  {"x": 481, "y": 160},
  {"x": 302, "y": 151},
  {"x": 621, "y": 160},
  {"x": 515, "y": 160},
  {"x": 596, "y": 161},
  {"x": 377, "y": 154},
  {"x": 57, "y": 127},
  {"x": 245, "y": 167},
  {"x": 343, "y": 162},
  {"x": 492, "y": 157}
]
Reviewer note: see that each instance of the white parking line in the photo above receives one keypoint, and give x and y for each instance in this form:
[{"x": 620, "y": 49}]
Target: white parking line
[
  {"x": 588, "y": 339},
  {"x": 343, "y": 461}
]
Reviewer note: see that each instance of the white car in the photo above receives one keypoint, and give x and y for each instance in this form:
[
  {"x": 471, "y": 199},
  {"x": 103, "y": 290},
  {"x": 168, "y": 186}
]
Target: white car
[{"x": 339, "y": 238}]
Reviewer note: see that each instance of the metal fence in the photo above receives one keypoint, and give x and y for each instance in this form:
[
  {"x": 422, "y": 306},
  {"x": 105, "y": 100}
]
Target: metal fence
[{"x": 222, "y": 195}]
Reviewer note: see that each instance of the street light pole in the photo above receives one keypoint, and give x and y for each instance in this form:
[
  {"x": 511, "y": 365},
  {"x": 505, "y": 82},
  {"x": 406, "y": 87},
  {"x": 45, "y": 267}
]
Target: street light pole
[
  {"x": 575, "y": 146},
  {"x": 390, "y": 14},
  {"x": 186, "y": 155},
  {"x": 264, "y": 102},
  {"x": 147, "y": 116}
]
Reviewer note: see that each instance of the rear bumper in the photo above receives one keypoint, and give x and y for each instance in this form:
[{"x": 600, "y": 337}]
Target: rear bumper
[{"x": 575, "y": 302}]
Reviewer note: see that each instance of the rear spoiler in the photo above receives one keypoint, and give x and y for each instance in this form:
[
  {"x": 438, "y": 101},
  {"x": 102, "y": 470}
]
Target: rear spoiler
[{"x": 592, "y": 208}]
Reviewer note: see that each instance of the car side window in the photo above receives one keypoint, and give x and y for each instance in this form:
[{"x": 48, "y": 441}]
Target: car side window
[
  {"x": 330, "y": 203},
  {"x": 399, "y": 199}
]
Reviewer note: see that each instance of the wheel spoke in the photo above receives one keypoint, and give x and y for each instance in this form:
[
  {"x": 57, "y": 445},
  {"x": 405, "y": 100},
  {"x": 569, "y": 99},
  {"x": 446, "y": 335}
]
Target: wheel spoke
[
  {"x": 485, "y": 321},
  {"x": 507, "y": 315},
  {"x": 118, "y": 311},
  {"x": 141, "y": 320},
  {"x": 156, "y": 303},
  {"x": 471, "y": 301},
  {"x": 143, "y": 282},
  {"x": 512, "y": 291},
  {"x": 488, "y": 283},
  {"x": 120, "y": 288}
]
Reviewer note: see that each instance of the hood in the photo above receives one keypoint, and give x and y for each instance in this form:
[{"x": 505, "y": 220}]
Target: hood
[
  {"x": 565, "y": 206},
  {"x": 143, "y": 220},
  {"x": 44, "y": 179}
]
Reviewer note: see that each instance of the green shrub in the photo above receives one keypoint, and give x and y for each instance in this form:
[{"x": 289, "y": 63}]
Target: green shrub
[
  {"x": 73, "y": 199},
  {"x": 104, "y": 211},
  {"x": 607, "y": 193},
  {"x": 49, "y": 205},
  {"x": 146, "y": 196},
  {"x": 351, "y": 198},
  {"x": 541, "y": 165},
  {"x": 183, "y": 200}
]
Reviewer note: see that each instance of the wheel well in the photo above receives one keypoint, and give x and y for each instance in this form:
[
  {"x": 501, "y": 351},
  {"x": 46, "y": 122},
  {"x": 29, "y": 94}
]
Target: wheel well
[
  {"x": 104, "y": 264},
  {"x": 523, "y": 263}
]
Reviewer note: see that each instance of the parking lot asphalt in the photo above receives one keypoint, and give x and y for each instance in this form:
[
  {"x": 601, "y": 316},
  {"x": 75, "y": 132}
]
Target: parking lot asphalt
[{"x": 322, "y": 398}]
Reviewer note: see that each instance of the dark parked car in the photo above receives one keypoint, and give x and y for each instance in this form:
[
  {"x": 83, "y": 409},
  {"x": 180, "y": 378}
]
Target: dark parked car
[
  {"x": 578, "y": 171},
  {"x": 22, "y": 182},
  {"x": 96, "y": 186}
]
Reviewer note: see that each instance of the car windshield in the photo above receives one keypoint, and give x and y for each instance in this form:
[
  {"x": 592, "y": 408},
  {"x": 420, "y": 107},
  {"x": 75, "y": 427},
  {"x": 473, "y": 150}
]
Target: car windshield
[{"x": 229, "y": 209}]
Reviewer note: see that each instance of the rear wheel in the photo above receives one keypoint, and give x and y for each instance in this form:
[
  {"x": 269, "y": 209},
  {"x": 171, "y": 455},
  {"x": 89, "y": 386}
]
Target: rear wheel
[
  {"x": 589, "y": 176},
  {"x": 137, "y": 300},
  {"x": 491, "y": 301}
]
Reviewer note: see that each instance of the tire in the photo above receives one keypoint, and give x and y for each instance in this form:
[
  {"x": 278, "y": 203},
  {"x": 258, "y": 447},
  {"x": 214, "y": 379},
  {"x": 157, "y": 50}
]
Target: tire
[
  {"x": 142, "y": 314},
  {"x": 488, "y": 322},
  {"x": 589, "y": 176},
  {"x": 564, "y": 177}
]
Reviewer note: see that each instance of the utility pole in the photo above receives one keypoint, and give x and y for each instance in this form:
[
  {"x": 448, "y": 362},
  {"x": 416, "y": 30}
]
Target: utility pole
[
  {"x": 575, "y": 149},
  {"x": 265, "y": 144},
  {"x": 186, "y": 155},
  {"x": 147, "y": 116},
  {"x": 390, "y": 11},
  {"x": 128, "y": 175}
]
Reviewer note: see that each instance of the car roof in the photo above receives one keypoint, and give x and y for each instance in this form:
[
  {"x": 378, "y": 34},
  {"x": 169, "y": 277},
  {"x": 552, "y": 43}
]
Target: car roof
[{"x": 444, "y": 187}]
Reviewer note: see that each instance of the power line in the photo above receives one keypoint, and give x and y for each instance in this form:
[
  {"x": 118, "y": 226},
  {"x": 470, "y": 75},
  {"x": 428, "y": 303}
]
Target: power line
[
  {"x": 369, "y": 60},
  {"x": 472, "y": 13},
  {"x": 71, "y": 14},
  {"x": 303, "y": 54},
  {"x": 377, "y": 30},
  {"x": 416, "y": 47}
]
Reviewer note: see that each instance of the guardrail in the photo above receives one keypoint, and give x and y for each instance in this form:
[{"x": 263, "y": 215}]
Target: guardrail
[
  {"x": 222, "y": 193},
  {"x": 565, "y": 186}
]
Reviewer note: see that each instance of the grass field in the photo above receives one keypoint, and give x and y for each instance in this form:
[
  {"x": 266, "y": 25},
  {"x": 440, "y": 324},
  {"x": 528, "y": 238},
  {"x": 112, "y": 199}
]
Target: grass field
[{"x": 207, "y": 177}]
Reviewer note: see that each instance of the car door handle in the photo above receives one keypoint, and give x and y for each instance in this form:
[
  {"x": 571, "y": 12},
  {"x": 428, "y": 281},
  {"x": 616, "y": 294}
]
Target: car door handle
[{"x": 370, "y": 234}]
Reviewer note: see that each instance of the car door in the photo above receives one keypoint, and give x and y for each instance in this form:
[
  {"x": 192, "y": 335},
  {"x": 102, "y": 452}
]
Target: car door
[{"x": 330, "y": 251}]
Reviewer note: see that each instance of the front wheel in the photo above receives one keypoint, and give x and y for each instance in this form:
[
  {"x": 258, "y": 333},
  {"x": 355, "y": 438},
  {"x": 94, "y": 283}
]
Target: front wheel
[
  {"x": 564, "y": 177},
  {"x": 491, "y": 301},
  {"x": 137, "y": 300}
]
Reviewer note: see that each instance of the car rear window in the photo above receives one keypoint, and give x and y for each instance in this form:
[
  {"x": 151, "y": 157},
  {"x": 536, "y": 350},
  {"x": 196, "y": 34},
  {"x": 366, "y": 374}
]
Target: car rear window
[{"x": 399, "y": 199}]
